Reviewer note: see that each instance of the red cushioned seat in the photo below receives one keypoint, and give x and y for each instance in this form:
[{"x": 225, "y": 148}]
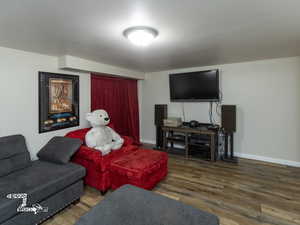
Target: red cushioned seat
[
  {"x": 97, "y": 166},
  {"x": 143, "y": 168}
]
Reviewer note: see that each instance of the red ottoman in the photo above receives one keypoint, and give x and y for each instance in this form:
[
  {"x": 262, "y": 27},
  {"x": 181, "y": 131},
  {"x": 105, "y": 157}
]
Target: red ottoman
[{"x": 143, "y": 168}]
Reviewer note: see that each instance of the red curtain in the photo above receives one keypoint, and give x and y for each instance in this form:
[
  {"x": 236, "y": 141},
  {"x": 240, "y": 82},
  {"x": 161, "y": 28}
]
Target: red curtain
[{"x": 119, "y": 97}]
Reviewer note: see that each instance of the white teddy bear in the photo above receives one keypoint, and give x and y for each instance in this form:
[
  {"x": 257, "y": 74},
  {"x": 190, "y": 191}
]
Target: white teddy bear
[{"x": 102, "y": 137}]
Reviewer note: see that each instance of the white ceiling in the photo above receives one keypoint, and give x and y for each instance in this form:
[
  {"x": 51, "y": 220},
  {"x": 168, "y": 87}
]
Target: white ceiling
[{"x": 192, "y": 32}]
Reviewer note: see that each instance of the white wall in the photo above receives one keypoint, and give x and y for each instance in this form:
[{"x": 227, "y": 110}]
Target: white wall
[
  {"x": 267, "y": 95},
  {"x": 266, "y": 92},
  {"x": 83, "y": 65},
  {"x": 19, "y": 95}
]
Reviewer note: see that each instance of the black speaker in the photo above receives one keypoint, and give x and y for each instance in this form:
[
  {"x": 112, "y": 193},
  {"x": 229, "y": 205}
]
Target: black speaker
[
  {"x": 160, "y": 113},
  {"x": 229, "y": 118}
]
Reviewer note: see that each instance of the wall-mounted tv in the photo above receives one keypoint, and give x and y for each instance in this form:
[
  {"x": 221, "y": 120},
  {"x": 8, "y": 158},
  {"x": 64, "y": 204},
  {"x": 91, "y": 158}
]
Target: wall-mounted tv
[{"x": 202, "y": 86}]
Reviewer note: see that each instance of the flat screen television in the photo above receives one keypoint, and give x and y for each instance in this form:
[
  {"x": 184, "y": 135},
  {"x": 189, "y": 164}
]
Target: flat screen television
[{"x": 202, "y": 86}]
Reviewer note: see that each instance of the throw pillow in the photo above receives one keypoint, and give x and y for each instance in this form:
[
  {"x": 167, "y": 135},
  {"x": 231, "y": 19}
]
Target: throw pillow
[{"x": 59, "y": 149}]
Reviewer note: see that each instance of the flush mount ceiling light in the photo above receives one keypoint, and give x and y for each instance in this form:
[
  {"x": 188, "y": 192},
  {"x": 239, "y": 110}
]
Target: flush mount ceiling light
[{"x": 141, "y": 36}]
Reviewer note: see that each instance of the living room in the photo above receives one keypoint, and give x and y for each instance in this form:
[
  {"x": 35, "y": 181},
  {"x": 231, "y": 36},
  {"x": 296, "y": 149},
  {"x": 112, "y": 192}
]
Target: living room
[{"x": 252, "y": 45}]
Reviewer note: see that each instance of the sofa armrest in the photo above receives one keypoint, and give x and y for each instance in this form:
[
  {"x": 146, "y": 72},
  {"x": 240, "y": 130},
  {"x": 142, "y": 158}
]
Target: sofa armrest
[
  {"x": 87, "y": 153},
  {"x": 128, "y": 141},
  {"x": 92, "y": 159}
]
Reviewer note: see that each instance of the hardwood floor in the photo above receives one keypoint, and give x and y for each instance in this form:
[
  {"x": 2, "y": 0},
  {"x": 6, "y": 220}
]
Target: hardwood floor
[{"x": 248, "y": 193}]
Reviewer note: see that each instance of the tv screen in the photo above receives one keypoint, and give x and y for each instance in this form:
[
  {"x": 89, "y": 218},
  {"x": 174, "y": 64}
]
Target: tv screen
[{"x": 202, "y": 86}]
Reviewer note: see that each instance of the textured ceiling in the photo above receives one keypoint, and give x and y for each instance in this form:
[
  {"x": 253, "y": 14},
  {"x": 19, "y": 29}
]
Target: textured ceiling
[{"x": 192, "y": 33}]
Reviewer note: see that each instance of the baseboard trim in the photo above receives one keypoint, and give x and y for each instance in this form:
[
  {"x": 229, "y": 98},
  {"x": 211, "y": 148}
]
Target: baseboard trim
[
  {"x": 268, "y": 159},
  {"x": 148, "y": 142},
  {"x": 254, "y": 157}
]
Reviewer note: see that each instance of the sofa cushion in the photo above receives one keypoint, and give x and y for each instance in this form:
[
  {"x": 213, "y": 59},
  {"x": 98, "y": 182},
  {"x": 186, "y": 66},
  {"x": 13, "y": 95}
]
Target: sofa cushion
[
  {"x": 13, "y": 154},
  {"x": 41, "y": 180},
  {"x": 98, "y": 162},
  {"x": 59, "y": 149}
]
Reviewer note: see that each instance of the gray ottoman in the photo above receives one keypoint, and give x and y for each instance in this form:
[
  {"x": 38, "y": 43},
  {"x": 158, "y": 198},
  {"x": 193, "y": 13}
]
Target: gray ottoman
[{"x": 130, "y": 205}]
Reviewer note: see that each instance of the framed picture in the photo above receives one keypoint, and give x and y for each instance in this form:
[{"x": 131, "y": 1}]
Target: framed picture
[{"x": 58, "y": 101}]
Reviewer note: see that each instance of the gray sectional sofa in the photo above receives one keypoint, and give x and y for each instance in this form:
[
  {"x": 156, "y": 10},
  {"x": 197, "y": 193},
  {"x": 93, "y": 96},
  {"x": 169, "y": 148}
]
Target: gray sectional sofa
[{"x": 51, "y": 185}]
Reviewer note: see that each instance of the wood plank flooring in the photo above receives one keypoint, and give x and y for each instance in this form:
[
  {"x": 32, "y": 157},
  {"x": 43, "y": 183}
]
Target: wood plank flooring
[{"x": 248, "y": 193}]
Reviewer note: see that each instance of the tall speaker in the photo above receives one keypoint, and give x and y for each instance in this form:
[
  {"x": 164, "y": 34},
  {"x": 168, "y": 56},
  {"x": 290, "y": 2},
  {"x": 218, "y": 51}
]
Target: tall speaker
[
  {"x": 160, "y": 113},
  {"x": 229, "y": 118}
]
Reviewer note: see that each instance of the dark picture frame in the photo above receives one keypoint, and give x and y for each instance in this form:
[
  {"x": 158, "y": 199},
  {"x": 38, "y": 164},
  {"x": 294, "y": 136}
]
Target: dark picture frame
[{"x": 58, "y": 101}]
